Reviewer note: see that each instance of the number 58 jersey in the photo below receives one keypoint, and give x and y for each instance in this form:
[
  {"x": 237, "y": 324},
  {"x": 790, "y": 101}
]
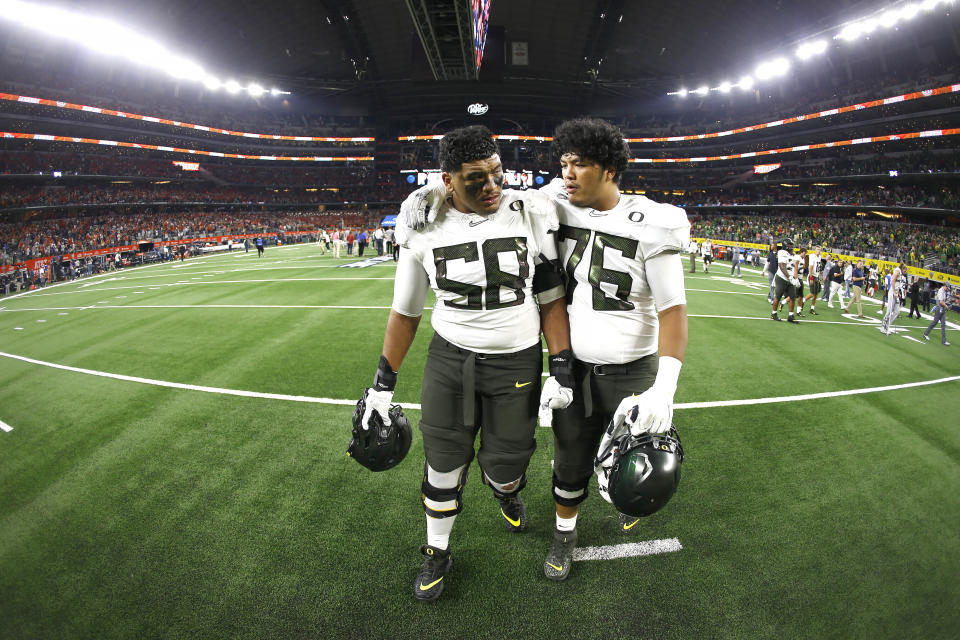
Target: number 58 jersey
[
  {"x": 481, "y": 269},
  {"x": 610, "y": 303}
]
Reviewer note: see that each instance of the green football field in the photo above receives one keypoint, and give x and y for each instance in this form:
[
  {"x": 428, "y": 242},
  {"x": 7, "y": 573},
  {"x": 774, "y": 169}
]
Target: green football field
[{"x": 173, "y": 466}]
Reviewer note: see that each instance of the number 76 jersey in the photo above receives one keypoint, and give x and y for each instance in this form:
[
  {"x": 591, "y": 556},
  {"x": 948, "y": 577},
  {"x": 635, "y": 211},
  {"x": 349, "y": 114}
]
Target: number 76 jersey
[{"x": 613, "y": 319}]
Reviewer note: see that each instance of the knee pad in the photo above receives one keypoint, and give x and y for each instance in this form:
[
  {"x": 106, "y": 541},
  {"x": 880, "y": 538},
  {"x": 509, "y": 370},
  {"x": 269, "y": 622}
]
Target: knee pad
[
  {"x": 500, "y": 490},
  {"x": 442, "y": 492},
  {"x": 569, "y": 495}
]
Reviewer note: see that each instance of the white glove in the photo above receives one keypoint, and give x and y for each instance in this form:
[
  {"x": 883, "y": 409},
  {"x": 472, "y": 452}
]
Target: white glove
[
  {"x": 652, "y": 410},
  {"x": 795, "y": 282},
  {"x": 553, "y": 396},
  {"x": 376, "y": 401},
  {"x": 421, "y": 207}
]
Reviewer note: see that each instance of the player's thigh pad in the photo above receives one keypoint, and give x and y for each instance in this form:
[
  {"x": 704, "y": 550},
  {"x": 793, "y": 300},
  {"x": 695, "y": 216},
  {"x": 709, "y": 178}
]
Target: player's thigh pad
[
  {"x": 508, "y": 389},
  {"x": 575, "y": 441},
  {"x": 447, "y": 443}
]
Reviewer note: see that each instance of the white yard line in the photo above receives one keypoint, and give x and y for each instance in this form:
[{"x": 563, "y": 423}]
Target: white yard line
[
  {"x": 411, "y": 405},
  {"x": 5, "y": 427},
  {"x": 628, "y": 550}
]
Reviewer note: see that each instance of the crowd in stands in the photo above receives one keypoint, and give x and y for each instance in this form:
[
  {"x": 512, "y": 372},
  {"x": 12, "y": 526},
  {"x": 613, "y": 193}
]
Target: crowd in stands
[
  {"x": 919, "y": 245},
  {"x": 935, "y": 247},
  {"x": 56, "y": 236},
  {"x": 33, "y": 162},
  {"x": 61, "y": 196},
  {"x": 901, "y": 195}
]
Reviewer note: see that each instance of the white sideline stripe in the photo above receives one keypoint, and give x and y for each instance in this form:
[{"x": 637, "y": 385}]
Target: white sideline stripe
[
  {"x": 5, "y": 427},
  {"x": 102, "y": 307},
  {"x": 189, "y": 387},
  {"x": 810, "y": 396},
  {"x": 411, "y": 405},
  {"x": 629, "y": 550}
]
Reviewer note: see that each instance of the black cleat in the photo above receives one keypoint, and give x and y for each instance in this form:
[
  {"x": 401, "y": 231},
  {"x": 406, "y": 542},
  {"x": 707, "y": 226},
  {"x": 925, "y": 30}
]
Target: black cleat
[
  {"x": 428, "y": 584},
  {"x": 813, "y": 312},
  {"x": 627, "y": 525},
  {"x": 774, "y": 316},
  {"x": 514, "y": 513},
  {"x": 793, "y": 320},
  {"x": 558, "y": 562}
]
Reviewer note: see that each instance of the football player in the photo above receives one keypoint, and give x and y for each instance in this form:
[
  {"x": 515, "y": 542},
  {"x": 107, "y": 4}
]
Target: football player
[
  {"x": 706, "y": 249},
  {"x": 813, "y": 277},
  {"x": 490, "y": 257},
  {"x": 786, "y": 281},
  {"x": 895, "y": 295},
  {"x": 627, "y": 312}
]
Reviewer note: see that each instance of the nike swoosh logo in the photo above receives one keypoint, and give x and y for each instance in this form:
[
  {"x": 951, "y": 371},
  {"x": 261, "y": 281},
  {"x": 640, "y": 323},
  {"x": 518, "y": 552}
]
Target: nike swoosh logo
[
  {"x": 555, "y": 566},
  {"x": 516, "y": 522},
  {"x": 426, "y": 587},
  {"x": 627, "y": 527},
  {"x": 474, "y": 223},
  {"x": 596, "y": 214},
  {"x": 519, "y": 384}
]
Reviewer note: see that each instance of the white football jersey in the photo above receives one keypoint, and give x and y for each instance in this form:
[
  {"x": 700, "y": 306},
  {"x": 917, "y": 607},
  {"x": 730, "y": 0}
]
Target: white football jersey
[
  {"x": 785, "y": 258},
  {"x": 481, "y": 270},
  {"x": 814, "y": 261},
  {"x": 613, "y": 319}
]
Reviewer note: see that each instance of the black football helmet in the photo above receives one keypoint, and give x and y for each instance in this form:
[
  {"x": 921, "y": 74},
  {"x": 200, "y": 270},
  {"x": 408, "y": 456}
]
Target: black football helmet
[
  {"x": 638, "y": 474},
  {"x": 380, "y": 447}
]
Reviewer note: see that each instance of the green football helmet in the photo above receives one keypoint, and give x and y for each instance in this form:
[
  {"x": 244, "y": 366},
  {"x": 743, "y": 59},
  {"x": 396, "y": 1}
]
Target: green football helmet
[{"x": 638, "y": 474}]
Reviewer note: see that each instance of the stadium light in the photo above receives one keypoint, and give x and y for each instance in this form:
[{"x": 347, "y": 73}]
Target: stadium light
[
  {"x": 724, "y": 87},
  {"x": 809, "y": 49},
  {"x": 255, "y": 90},
  {"x": 746, "y": 83},
  {"x": 772, "y": 69},
  {"x": 704, "y": 90},
  {"x": 848, "y": 32},
  {"x": 232, "y": 86},
  {"x": 109, "y": 38}
]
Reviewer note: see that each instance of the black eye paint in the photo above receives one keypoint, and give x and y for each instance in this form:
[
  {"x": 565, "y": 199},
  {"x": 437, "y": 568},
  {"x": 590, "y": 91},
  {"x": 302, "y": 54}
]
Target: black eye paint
[
  {"x": 498, "y": 180},
  {"x": 473, "y": 189}
]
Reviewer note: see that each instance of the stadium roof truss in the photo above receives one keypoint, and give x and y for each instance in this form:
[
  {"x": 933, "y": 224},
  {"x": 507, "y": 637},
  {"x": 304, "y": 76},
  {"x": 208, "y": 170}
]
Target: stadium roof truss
[{"x": 446, "y": 32}]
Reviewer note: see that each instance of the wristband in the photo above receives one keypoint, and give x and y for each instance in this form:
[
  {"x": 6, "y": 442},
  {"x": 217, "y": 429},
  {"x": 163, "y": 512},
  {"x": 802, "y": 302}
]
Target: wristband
[
  {"x": 386, "y": 378},
  {"x": 561, "y": 368},
  {"x": 667, "y": 374}
]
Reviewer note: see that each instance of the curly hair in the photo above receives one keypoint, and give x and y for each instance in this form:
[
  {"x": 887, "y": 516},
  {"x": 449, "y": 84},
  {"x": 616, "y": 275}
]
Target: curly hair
[
  {"x": 594, "y": 140},
  {"x": 466, "y": 144}
]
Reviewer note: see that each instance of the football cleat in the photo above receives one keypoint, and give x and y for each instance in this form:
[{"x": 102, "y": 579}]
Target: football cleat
[
  {"x": 428, "y": 584},
  {"x": 380, "y": 447},
  {"x": 514, "y": 512},
  {"x": 793, "y": 320},
  {"x": 558, "y": 562},
  {"x": 627, "y": 525},
  {"x": 774, "y": 316}
]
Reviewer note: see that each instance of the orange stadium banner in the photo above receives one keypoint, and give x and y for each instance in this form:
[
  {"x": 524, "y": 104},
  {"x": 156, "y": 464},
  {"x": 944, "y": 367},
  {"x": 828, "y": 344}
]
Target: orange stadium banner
[
  {"x": 933, "y": 133},
  {"x": 173, "y": 123},
  {"x": 915, "y": 95},
  {"x": 154, "y": 147}
]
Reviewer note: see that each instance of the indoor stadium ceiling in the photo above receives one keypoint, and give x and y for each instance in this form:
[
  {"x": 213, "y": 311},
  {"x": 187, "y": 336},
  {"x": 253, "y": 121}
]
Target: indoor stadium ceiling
[{"x": 368, "y": 52}]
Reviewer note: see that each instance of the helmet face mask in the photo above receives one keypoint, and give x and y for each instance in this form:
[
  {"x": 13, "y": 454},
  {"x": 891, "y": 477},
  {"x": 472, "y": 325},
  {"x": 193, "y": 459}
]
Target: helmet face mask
[
  {"x": 638, "y": 474},
  {"x": 380, "y": 447}
]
